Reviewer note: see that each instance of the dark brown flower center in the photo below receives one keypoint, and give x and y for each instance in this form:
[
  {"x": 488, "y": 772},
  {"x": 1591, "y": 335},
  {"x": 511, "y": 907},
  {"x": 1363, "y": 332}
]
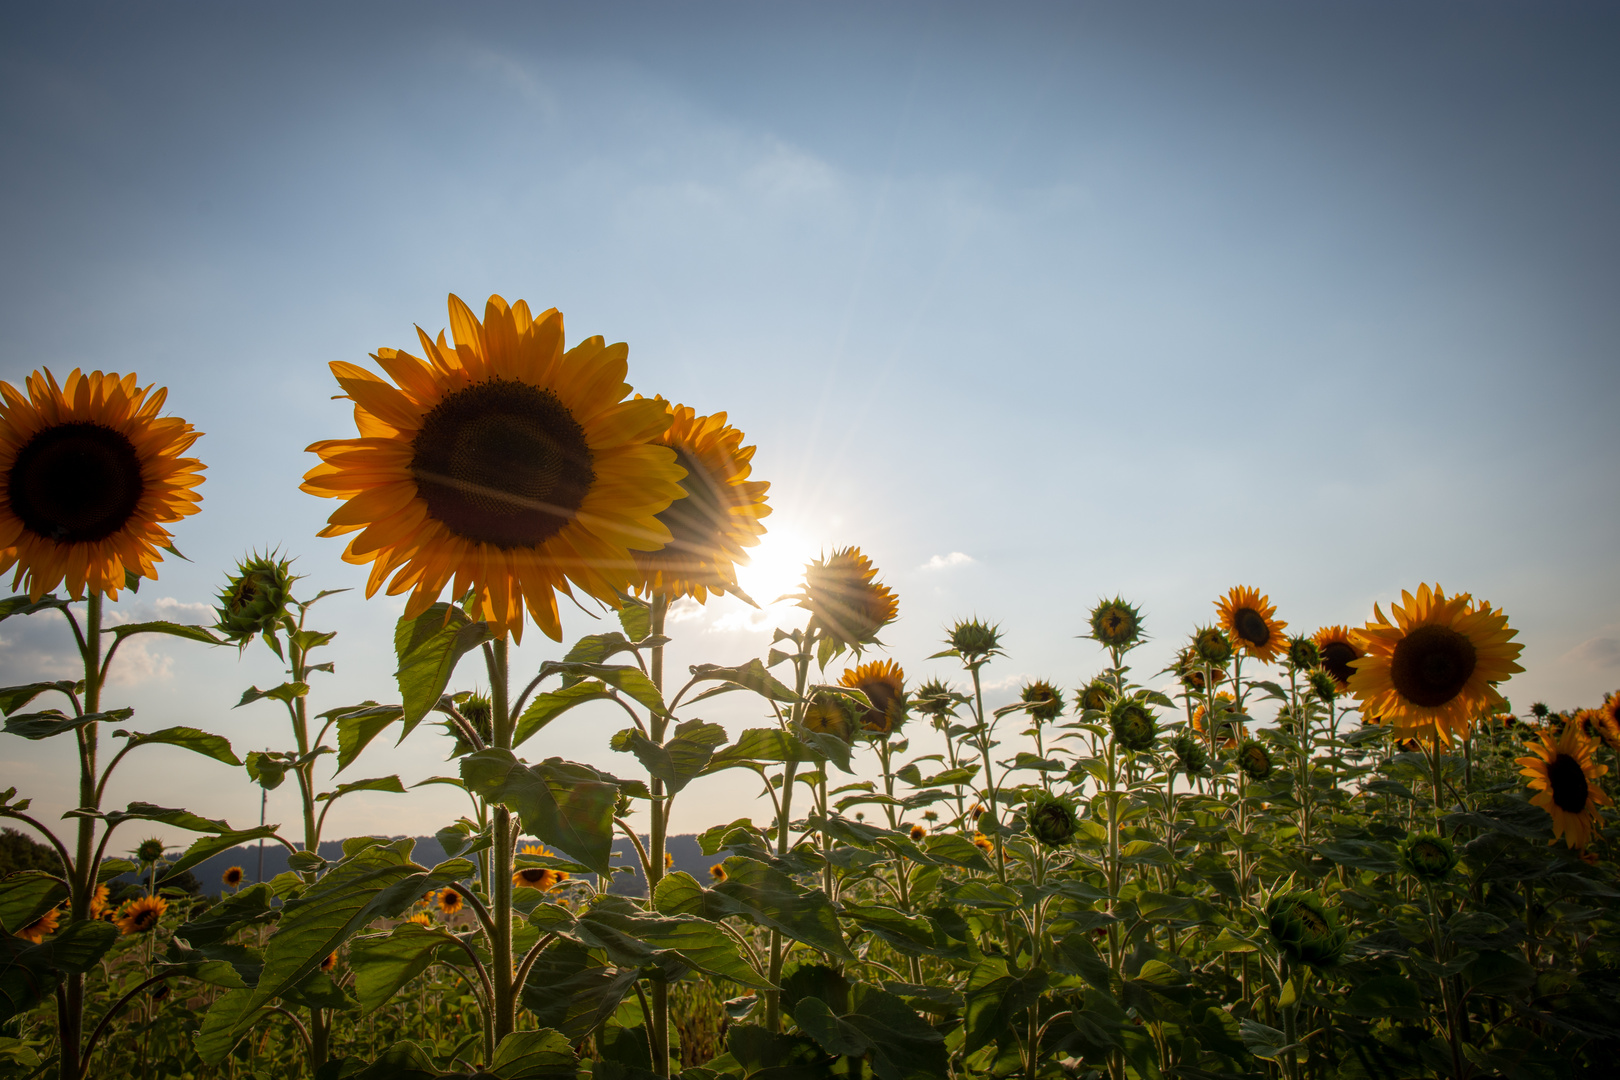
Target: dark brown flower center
[
  {"x": 76, "y": 483},
  {"x": 1337, "y": 657},
  {"x": 1431, "y": 665},
  {"x": 698, "y": 522},
  {"x": 1568, "y": 782},
  {"x": 1251, "y": 627},
  {"x": 1313, "y": 923},
  {"x": 502, "y": 463}
]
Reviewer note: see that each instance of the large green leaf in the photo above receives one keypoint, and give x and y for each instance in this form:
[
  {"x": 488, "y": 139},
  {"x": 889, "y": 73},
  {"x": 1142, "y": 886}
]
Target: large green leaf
[
  {"x": 13, "y": 698},
  {"x": 909, "y": 934},
  {"x": 544, "y": 708},
  {"x": 250, "y": 906},
  {"x": 681, "y": 759},
  {"x": 286, "y": 692},
  {"x": 29, "y": 974},
  {"x": 376, "y": 783},
  {"x": 534, "y": 1055},
  {"x": 360, "y": 724},
  {"x": 206, "y": 847},
  {"x": 26, "y": 896},
  {"x": 569, "y": 991},
  {"x": 904, "y": 1046},
  {"x": 995, "y": 998},
  {"x": 566, "y": 805},
  {"x": 775, "y": 901},
  {"x": 190, "y": 633},
  {"x": 401, "y": 1061},
  {"x": 382, "y": 963},
  {"x": 214, "y": 746},
  {"x": 626, "y": 677},
  {"x": 759, "y": 744},
  {"x": 749, "y": 676},
  {"x": 636, "y": 937},
  {"x": 21, "y": 605},
  {"x": 42, "y": 725},
  {"x": 429, "y": 647}
]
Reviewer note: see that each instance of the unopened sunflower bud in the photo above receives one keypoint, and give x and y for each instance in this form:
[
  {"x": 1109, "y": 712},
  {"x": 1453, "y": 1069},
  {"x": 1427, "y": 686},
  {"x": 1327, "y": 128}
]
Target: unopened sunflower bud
[
  {"x": 1190, "y": 753},
  {"x": 1323, "y": 685},
  {"x": 1305, "y": 929},
  {"x": 1302, "y": 653},
  {"x": 1253, "y": 759},
  {"x": 1428, "y": 856},
  {"x": 1134, "y": 726},
  {"x": 1115, "y": 624},
  {"x": 255, "y": 598},
  {"x": 974, "y": 640},
  {"x": 1212, "y": 646},
  {"x": 1051, "y": 821}
]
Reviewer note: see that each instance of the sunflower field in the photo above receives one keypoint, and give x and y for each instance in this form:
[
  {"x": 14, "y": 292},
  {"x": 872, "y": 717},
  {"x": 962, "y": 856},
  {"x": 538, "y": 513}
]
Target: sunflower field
[{"x": 1335, "y": 854}]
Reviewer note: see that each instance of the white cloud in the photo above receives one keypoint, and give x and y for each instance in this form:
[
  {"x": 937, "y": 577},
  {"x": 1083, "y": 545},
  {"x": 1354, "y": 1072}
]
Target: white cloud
[
  {"x": 943, "y": 562},
  {"x": 685, "y": 609},
  {"x": 1603, "y": 652},
  {"x": 172, "y": 610}
]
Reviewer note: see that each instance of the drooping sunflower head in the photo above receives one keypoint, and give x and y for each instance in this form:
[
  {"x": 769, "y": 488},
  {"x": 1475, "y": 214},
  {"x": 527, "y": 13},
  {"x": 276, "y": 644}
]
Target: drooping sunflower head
[
  {"x": 1250, "y": 620},
  {"x": 1324, "y": 685},
  {"x": 1189, "y": 672},
  {"x": 89, "y": 473},
  {"x": 1211, "y": 646},
  {"x": 717, "y": 873},
  {"x": 1564, "y": 776},
  {"x": 974, "y": 640},
  {"x": 1115, "y": 624},
  {"x": 501, "y": 464},
  {"x": 845, "y": 600},
  {"x": 1339, "y": 654},
  {"x": 1096, "y": 696},
  {"x": 140, "y": 915},
  {"x": 450, "y": 901},
  {"x": 254, "y": 600},
  {"x": 1302, "y": 653},
  {"x": 1254, "y": 760},
  {"x": 1434, "y": 666},
  {"x": 232, "y": 877},
  {"x": 1042, "y": 700},
  {"x": 718, "y": 515},
  {"x": 41, "y": 927},
  {"x": 1051, "y": 820},
  {"x": 1306, "y": 929},
  {"x": 1190, "y": 754},
  {"x": 1428, "y": 856},
  {"x": 149, "y": 851},
  {"x": 829, "y": 714},
  {"x": 1134, "y": 725},
  {"x": 884, "y": 684},
  {"x": 936, "y": 700}
]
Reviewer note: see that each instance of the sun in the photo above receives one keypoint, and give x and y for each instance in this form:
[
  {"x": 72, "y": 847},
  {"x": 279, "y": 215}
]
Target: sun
[{"x": 776, "y": 567}]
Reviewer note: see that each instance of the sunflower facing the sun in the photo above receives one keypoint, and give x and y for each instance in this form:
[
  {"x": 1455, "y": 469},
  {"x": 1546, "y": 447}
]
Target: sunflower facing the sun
[
  {"x": 1564, "y": 777},
  {"x": 502, "y": 464},
  {"x": 1250, "y": 619},
  {"x": 1432, "y": 670},
  {"x": 89, "y": 472},
  {"x": 716, "y": 519}
]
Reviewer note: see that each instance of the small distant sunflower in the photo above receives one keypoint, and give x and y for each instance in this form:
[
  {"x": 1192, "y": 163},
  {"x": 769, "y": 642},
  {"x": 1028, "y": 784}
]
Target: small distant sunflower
[
  {"x": 543, "y": 878},
  {"x": 88, "y": 473},
  {"x": 917, "y": 833},
  {"x": 717, "y": 873},
  {"x": 718, "y": 516},
  {"x": 502, "y": 464},
  {"x": 1042, "y": 700},
  {"x": 828, "y": 714},
  {"x": 1564, "y": 777},
  {"x": 977, "y": 812},
  {"x": 845, "y": 599},
  {"x": 40, "y": 927},
  {"x": 1433, "y": 668},
  {"x": 330, "y": 962},
  {"x": 1251, "y": 620},
  {"x": 450, "y": 901},
  {"x": 1339, "y": 654},
  {"x": 420, "y": 918},
  {"x": 232, "y": 877},
  {"x": 984, "y": 843},
  {"x": 141, "y": 914},
  {"x": 884, "y": 684},
  {"x": 1254, "y": 760},
  {"x": 1115, "y": 624},
  {"x": 669, "y": 862},
  {"x": 1228, "y": 731},
  {"x": 1606, "y": 721}
]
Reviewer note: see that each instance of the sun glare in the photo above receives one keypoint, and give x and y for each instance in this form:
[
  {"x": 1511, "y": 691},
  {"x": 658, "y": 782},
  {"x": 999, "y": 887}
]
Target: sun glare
[{"x": 777, "y": 565}]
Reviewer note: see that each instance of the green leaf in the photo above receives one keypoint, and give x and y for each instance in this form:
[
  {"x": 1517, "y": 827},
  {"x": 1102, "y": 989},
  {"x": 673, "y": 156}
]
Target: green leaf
[
  {"x": 631, "y": 680},
  {"x": 698, "y": 942},
  {"x": 215, "y": 746},
  {"x": 1361, "y": 854},
  {"x": 144, "y": 811},
  {"x": 758, "y": 744},
  {"x": 636, "y": 618},
  {"x": 573, "y": 993},
  {"x": 358, "y": 727},
  {"x": 42, "y": 725},
  {"x": 249, "y": 907},
  {"x": 287, "y": 691},
  {"x": 267, "y": 770},
  {"x": 955, "y": 849},
  {"x": 1499, "y": 974},
  {"x": 29, "y": 974},
  {"x": 382, "y": 963},
  {"x": 206, "y": 847},
  {"x": 1076, "y": 955},
  {"x": 376, "y": 783},
  {"x": 534, "y": 1055},
  {"x": 566, "y": 805},
  {"x": 190, "y": 633},
  {"x": 904, "y": 1046},
  {"x": 1392, "y": 996},
  {"x": 25, "y": 897},
  {"x": 13, "y": 698},
  {"x": 995, "y": 998},
  {"x": 749, "y": 676},
  {"x": 594, "y": 649},
  {"x": 21, "y": 605},
  {"x": 681, "y": 759},
  {"x": 833, "y": 1035},
  {"x": 775, "y": 901},
  {"x": 429, "y": 647},
  {"x": 401, "y": 1061},
  {"x": 544, "y": 708},
  {"x": 910, "y": 934}
]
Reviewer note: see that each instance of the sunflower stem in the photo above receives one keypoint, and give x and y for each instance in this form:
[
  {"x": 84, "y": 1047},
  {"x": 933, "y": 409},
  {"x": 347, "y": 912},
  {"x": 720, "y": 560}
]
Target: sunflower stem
[
  {"x": 658, "y": 1028},
  {"x": 505, "y": 1006}
]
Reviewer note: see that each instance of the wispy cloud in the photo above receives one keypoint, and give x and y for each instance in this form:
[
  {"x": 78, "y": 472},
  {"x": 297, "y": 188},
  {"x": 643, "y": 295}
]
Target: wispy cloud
[
  {"x": 1601, "y": 652},
  {"x": 945, "y": 562}
]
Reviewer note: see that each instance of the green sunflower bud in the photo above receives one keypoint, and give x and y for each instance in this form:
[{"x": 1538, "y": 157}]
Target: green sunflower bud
[
  {"x": 974, "y": 640},
  {"x": 1098, "y": 696},
  {"x": 255, "y": 598},
  {"x": 1428, "y": 856},
  {"x": 1042, "y": 701},
  {"x": 1305, "y": 929},
  {"x": 1134, "y": 726},
  {"x": 1253, "y": 759},
  {"x": 1212, "y": 646},
  {"x": 1302, "y": 653},
  {"x": 934, "y": 699},
  {"x": 1115, "y": 624},
  {"x": 480, "y": 714},
  {"x": 1190, "y": 753},
  {"x": 1323, "y": 686},
  {"x": 150, "y": 851},
  {"x": 1051, "y": 820}
]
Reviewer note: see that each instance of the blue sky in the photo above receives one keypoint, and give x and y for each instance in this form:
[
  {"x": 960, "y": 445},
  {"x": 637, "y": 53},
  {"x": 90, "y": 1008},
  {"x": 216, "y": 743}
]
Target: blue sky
[{"x": 1034, "y": 303}]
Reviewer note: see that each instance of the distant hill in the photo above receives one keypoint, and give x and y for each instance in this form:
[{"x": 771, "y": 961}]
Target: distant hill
[{"x": 688, "y": 857}]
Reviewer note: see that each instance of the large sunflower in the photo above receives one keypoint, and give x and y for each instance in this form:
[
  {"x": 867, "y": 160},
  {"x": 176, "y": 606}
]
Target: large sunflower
[
  {"x": 1431, "y": 670},
  {"x": 141, "y": 914},
  {"x": 502, "y": 463},
  {"x": 884, "y": 684},
  {"x": 845, "y": 599},
  {"x": 1564, "y": 777},
  {"x": 719, "y": 515},
  {"x": 1339, "y": 654},
  {"x": 88, "y": 473},
  {"x": 1250, "y": 619}
]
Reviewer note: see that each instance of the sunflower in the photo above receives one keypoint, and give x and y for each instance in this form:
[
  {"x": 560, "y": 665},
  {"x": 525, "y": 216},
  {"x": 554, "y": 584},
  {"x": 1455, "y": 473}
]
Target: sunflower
[
  {"x": 1229, "y": 731},
  {"x": 1096, "y": 696},
  {"x": 538, "y": 877},
  {"x": 917, "y": 833},
  {"x": 974, "y": 640},
  {"x": 669, "y": 862},
  {"x": 1042, "y": 700},
  {"x": 1433, "y": 667},
  {"x": 1115, "y": 624},
  {"x": 45, "y": 924},
  {"x": 420, "y": 918},
  {"x": 845, "y": 599},
  {"x": 717, "y": 873},
  {"x": 100, "y": 906},
  {"x": 449, "y": 901},
  {"x": 1250, "y": 620},
  {"x": 330, "y": 962},
  {"x": 983, "y": 843},
  {"x": 884, "y": 684},
  {"x": 1606, "y": 721},
  {"x": 1211, "y": 646},
  {"x": 141, "y": 914},
  {"x": 718, "y": 516},
  {"x": 1564, "y": 777},
  {"x": 88, "y": 472},
  {"x": 1339, "y": 654},
  {"x": 827, "y": 714},
  {"x": 502, "y": 463},
  {"x": 232, "y": 877}
]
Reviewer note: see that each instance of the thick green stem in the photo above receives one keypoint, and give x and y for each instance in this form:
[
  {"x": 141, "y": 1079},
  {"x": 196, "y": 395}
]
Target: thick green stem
[
  {"x": 505, "y": 843},
  {"x": 658, "y": 1026}
]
